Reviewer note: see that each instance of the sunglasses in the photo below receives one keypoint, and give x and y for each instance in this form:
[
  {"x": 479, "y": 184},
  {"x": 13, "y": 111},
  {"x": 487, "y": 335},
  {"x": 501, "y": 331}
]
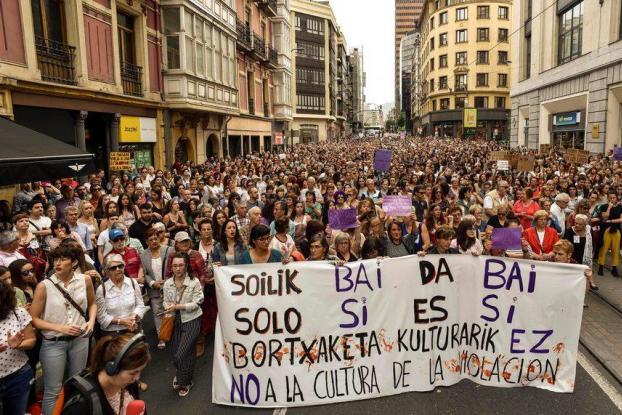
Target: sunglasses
[
  {"x": 27, "y": 272},
  {"x": 116, "y": 267},
  {"x": 119, "y": 239}
]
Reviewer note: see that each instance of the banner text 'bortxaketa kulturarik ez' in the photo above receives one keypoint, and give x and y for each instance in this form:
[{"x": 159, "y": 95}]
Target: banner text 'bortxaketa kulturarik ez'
[{"x": 314, "y": 333}]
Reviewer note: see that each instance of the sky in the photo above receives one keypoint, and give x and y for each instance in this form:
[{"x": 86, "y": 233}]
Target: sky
[{"x": 370, "y": 24}]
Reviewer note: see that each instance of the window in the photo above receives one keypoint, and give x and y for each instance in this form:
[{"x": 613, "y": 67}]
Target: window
[
  {"x": 310, "y": 102},
  {"x": 431, "y": 64},
  {"x": 431, "y": 84},
  {"x": 461, "y": 58},
  {"x": 461, "y": 102},
  {"x": 172, "y": 28},
  {"x": 433, "y": 105},
  {"x": 442, "y": 61},
  {"x": 47, "y": 19},
  {"x": 570, "y": 33},
  {"x": 298, "y": 23},
  {"x": 462, "y": 14},
  {"x": 442, "y": 39},
  {"x": 125, "y": 26},
  {"x": 503, "y": 58},
  {"x": 462, "y": 36},
  {"x": 483, "y": 12},
  {"x": 527, "y": 57},
  {"x": 443, "y": 18},
  {"x": 482, "y": 57},
  {"x": 503, "y": 35},
  {"x": 482, "y": 79},
  {"x": 431, "y": 22},
  {"x": 483, "y": 34},
  {"x": 504, "y": 13},
  {"x": 310, "y": 50},
  {"x": 432, "y": 43},
  {"x": 444, "y": 103},
  {"x": 481, "y": 102},
  {"x": 314, "y": 26},
  {"x": 461, "y": 82},
  {"x": 502, "y": 80},
  {"x": 499, "y": 102},
  {"x": 442, "y": 82}
]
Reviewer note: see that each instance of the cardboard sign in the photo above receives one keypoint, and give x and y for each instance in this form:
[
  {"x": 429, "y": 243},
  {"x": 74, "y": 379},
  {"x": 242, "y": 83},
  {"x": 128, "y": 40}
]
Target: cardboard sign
[
  {"x": 525, "y": 164},
  {"x": 397, "y": 205},
  {"x": 322, "y": 333},
  {"x": 545, "y": 148},
  {"x": 506, "y": 238},
  {"x": 382, "y": 160},
  {"x": 119, "y": 160},
  {"x": 503, "y": 165},
  {"x": 499, "y": 155},
  {"x": 577, "y": 156},
  {"x": 342, "y": 218}
]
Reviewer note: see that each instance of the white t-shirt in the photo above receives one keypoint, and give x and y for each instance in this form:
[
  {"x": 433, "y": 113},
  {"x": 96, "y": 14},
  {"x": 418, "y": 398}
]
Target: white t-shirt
[
  {"x": 285, "y": 248},
  {"x": 43, "y": 222},
  {"x": 12, "y": 360}
]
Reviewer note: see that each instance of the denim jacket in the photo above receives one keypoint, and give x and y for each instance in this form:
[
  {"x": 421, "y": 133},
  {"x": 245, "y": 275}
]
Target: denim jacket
[
  {"x": 191, "y": 298},
  {"x": 219, "y": 254}
]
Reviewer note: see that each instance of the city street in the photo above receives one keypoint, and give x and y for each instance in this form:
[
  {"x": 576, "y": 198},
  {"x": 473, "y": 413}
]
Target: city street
[{"x": 596, "y": 392}]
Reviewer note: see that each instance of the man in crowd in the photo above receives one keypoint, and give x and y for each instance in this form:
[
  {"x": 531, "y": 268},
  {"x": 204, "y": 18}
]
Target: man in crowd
[
  {"x": 71, "y": 214},
  {"x": 139, "y": 228},
  {"x": 68, "y": 199},
  {"x": 558, "y": 211},
  {"x": 39, "y": 223}
]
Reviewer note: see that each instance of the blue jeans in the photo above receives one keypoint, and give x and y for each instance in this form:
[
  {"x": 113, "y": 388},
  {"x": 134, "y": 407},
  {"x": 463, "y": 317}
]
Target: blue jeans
[
  {"x": 14, "y": 391},
  {"x": 60, "y": 360}
]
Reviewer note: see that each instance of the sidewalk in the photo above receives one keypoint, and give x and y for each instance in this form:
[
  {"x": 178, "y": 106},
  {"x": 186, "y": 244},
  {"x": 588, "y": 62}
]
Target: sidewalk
[{"x": 601, "y": 329}]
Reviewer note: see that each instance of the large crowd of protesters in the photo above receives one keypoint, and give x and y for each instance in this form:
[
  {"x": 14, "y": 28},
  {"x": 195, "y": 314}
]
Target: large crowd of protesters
[{"x": 82, "y": 259}]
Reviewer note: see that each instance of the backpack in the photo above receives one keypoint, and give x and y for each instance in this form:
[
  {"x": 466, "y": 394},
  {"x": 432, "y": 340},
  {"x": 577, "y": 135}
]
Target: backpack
[{"x": 80, "y": 390}]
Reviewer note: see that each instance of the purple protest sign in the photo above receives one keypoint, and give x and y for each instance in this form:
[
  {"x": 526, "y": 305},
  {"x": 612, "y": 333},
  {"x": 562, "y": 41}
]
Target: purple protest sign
[
  {"x": 506, "y": 238},
  {"x": 382, "y": 160},
  {"x": 342, "y": 218},
  {"x": 397, "y": 205},
  {"x": 617, "y": 153}
]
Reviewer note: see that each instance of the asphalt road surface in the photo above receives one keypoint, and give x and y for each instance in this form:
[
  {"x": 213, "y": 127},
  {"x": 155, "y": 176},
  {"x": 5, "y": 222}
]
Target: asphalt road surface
[{"x": 595, "y": 393}]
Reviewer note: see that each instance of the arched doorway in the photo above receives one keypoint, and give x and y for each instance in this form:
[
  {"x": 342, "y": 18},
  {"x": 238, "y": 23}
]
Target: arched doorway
[
  {"x": 182, "y": 151},
  {"x": 212, "y": 146}
]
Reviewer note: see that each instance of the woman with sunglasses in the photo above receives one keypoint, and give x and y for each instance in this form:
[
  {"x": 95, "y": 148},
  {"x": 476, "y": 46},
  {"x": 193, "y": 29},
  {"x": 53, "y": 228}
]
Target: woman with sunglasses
[
  {"x": 260, "y": 251},
  {"x": 23, "y": 278}
]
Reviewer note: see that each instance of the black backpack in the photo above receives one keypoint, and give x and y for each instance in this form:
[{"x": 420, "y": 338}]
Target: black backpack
[{"x": 80, "y": 390}]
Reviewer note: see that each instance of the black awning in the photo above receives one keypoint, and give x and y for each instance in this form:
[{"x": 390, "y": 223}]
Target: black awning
[{"x": 27, "y": 155}]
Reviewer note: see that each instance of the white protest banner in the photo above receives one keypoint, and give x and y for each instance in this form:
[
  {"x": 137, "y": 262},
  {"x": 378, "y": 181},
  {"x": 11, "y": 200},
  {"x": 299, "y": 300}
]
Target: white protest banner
[
  {"x": 503, "y": 165},
  {"x": 313, "y": 333}
]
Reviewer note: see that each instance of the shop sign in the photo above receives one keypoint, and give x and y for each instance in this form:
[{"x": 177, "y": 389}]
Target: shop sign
[
  {"x": 470, "y": 118},
  {"x": 119, "y": 160},
  {"x": 137, "y": 130},
  {"x": 567, "y": 118},
  {"x": 595, "y": 130}
]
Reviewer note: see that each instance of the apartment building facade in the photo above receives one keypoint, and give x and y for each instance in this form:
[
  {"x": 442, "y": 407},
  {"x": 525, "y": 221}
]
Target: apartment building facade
[
  {"x": 314, "y": 68},
  {"x": 87, "y": 73},
  {"x": 567, "y": 68},
  {"x": 358, "y": 80},
  {"x": 200, "y": 83},
  {"x": 407, "y": 13},
  {"x": 465, "y": 68}
]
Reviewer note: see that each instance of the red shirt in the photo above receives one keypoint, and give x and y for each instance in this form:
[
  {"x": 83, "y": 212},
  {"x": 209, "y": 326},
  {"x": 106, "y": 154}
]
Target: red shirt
[
  {"x": 131, "y": 257},
  {"x": 520, "y": 207}
]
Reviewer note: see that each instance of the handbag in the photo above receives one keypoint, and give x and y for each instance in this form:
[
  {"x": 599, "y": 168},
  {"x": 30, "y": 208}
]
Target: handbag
[{"x": 168, "y": 323}]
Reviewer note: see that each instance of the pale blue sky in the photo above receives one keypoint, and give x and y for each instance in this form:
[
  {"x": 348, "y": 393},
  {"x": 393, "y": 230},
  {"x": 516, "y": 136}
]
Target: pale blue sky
[{"x": 370, "y": 24}]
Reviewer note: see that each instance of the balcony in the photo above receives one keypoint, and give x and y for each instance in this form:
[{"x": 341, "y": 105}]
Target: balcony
[
  {"x": 461, "y": 88},
  {"x": 266, "y": 109},
  {"x": 273, "y": 58},
  {"x": 268, "y": 6},
  {"x": 131, "y": 79},
  {"x": 56, "y": 61},
  {"x": 259, "y": 47},
  {"x": 251, "y": 106},
  {"x": 244, "y": 38}
]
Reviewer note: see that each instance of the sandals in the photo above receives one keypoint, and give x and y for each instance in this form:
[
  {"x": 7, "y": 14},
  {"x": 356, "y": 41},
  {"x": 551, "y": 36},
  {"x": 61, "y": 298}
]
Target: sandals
[{"x": 184, "y": 390}]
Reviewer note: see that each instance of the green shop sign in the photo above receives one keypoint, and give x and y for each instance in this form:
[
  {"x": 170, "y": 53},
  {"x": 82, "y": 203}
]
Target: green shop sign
[{"x": 567, "y": 118}]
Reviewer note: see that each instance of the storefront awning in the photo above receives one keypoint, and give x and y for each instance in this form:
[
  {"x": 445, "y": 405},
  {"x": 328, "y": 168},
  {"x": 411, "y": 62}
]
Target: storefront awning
[{"x": 27, "y": 155}]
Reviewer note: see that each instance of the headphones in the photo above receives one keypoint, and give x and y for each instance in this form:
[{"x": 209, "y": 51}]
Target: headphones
[{"x": 112, "y": 367}]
